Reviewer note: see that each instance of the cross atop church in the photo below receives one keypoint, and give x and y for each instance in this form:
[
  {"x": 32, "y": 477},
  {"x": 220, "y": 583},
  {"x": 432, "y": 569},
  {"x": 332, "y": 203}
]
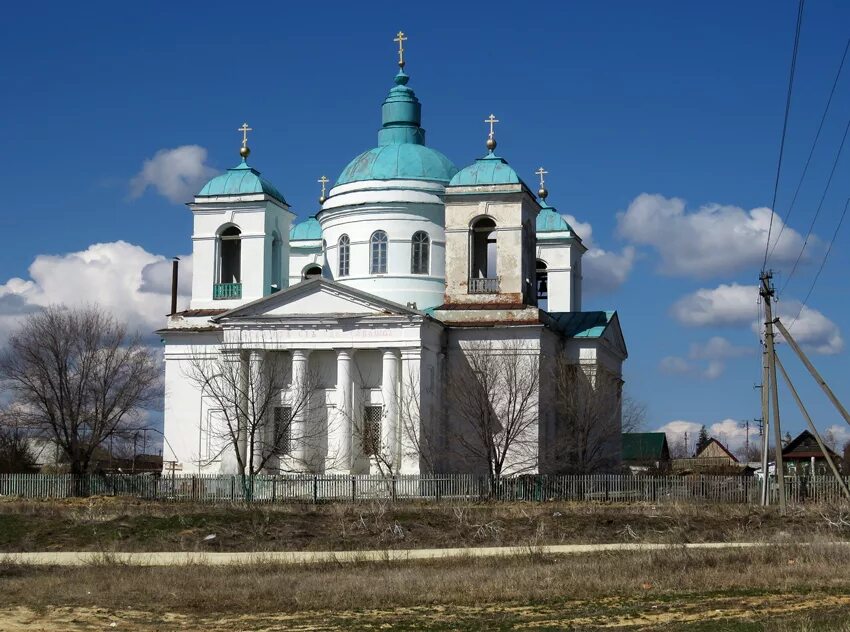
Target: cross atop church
[
  {"x": 401, "y": 39},
  {"x": 323, "y": 181},
  {"x": 245, "y": 129},
  {"x": 491, "y": 140},
  {"x": 541, "y": 172}
]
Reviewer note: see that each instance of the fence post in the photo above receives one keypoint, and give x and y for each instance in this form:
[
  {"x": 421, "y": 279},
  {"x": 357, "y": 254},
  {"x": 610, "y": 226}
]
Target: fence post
[
  {"x": 353, "y": 488},
  {"x": 315, "y": 488}
]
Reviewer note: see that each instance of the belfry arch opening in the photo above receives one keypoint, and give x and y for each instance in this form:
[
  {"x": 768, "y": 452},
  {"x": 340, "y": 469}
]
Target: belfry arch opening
[
  {"x": 542, "y": 275},
  {"x": 230, "y": 255}
]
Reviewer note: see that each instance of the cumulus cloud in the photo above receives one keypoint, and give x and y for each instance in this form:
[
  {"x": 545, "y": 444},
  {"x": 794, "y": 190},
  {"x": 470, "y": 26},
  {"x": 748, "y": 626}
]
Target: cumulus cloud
[
  {"x": 715, "y": 239},
  {"x": 603, "y": 271},
  {"x": 730, "y": 432},
  {"x": 675, "y": 365},
  {"x": 176, "y": 174},
  {"x": 131, "y": 283}
]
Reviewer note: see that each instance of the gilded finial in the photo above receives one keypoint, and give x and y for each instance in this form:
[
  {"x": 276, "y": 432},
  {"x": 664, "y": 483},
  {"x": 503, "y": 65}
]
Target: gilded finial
[
  {"x": 245, "y": 150},
  {"x": 542, "y": 192},
  {"x": 491, "y": 137},
  {"x": 323, "y": 181},
  {"x": 401, "y": 39}
]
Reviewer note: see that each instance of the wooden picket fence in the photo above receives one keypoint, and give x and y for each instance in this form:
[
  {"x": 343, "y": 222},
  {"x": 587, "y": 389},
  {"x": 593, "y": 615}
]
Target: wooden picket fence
[{"x": 340, "y": 488}]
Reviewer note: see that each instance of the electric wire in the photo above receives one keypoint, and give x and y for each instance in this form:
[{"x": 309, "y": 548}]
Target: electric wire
[
  {"x": 822, "y": 263},
  {"x": 820, "y": 206},
  {"x": 784, "y": 125},
  {"x": 812, "y": 149}
]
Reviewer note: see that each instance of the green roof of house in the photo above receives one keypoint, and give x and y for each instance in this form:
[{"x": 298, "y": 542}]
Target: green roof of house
[
  {"x": 644, "y": 446},
  {"x": 491, "y": 169},
  {"x": 401, "y": 153},
  {"x": 582, "y": 324},
  {"x": 308, "y": 230},
  {"x": 550, "y": 220},
  {"x": 240, "y": 180}
]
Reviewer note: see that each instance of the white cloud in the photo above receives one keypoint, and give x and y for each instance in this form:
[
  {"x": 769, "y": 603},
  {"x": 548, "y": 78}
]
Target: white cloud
[
  {"x": 730, "y": 432},
  {"x": 731, "y": 304},
  {"x": 707, "y": 359},
  {"x": 836, "y": 436},
  {"x": 734, "y": 305},
  {"x": 717, "y": 348},
  {"x": 603, "y": 271},
  {"x": 715, "y": 239},
  {"x": 176, "y": 174},
  {"x": 675, "y": 365},
  {"x": 131, "y": 283}
]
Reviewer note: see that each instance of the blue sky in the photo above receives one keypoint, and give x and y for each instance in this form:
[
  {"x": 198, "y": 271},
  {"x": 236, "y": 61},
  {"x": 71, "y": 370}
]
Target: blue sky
[{"x": 674, "y": 100}]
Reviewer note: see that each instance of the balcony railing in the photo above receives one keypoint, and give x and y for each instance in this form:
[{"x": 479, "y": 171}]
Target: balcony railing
[
  {"x": 225, "y": 291},
  {"x": 483, "y": 286}
]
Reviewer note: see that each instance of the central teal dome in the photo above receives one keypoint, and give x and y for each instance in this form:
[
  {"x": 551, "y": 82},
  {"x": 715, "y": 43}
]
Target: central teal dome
[{"x": 401, "y": 153}]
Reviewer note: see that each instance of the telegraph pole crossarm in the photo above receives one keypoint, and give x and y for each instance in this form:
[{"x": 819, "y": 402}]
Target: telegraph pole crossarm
[
  {"x": 814, "y": 430},
  {"x": 821, "y": 382}
]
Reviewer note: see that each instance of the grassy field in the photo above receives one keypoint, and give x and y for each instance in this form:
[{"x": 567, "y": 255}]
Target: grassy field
[
  {"x": 115, "y": 524},
  {"x": 801, "y": 582},
  {"x": 787, "y": 587}
]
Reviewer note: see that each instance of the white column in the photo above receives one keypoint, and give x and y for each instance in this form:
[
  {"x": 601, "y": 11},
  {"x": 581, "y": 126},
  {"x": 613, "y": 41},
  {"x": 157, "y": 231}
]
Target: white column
[
  {"x": 241, "y": 416},
  {"x": 412, "y": 405},
  {"x": 339, "y": 443},
  {"x": 300, "y": 408},
  {"x": 390, "y": 395},
  {"x": 256, "y": 377}
]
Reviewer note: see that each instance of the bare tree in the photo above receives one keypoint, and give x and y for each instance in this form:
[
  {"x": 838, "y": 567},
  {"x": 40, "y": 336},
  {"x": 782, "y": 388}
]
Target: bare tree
[
  {"x": 588, "y": 400},
  {"x": 634, "y": 414},
  {"x": 493, "y": 391},
  {"x": 76, "y": 378},
  {"x": 264, "y": 422}
]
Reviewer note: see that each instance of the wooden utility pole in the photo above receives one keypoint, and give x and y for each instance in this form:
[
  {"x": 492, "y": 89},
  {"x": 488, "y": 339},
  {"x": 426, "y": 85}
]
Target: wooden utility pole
[
  {"x": 765, "y": 426},
  {"x": 767, "y": 293}
]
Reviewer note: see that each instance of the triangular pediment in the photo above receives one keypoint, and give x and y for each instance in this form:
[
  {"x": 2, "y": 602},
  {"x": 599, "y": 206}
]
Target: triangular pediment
[{"x": 317, "y": 297}]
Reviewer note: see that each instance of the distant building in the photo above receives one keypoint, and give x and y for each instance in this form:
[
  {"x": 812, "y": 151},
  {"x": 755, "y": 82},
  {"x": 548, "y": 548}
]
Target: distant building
[
  {"x": 714, "y": 458},
  {"x": 803, "y": 457},
  {"x": 643, "y": 451}
]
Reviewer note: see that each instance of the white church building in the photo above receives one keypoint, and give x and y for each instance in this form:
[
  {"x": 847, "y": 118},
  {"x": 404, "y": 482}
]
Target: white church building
[{"x": 362, "y": 339}]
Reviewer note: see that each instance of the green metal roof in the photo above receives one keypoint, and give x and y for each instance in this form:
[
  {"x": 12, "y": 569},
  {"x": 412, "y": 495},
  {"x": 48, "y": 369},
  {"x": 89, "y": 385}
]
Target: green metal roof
[
  {"x": 401, "y": 153},
  {"x": 582, "y": 324},
  {"x": 644, "y": 446},
  {"x": 551, "y": 221},
  {"x": 240, "y": 180},
  {"x": 308, "y": 230},
  {"x": 491, "y": 169}
]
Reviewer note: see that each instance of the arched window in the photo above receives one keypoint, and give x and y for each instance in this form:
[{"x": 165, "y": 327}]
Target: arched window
[
  {"x": 420, "y": 253},
  {"x": 277, "y": 265},
  {"x": 484, "y": 249},
  {"x": 378, "y": 253},
  {"x": 542, "y": 280},
  {"x": 344, "y": 256},
  {"x": 312, "y": 271},
  {"x": 230, "y": 255}
]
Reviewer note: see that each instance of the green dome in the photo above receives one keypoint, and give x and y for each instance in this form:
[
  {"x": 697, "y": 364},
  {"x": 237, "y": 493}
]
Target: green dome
[
  {"x": 404, "y": 161},
  {"x": 487, "y": 170},
  {"x": 308, "y": 230},
  {"x": 240, "y": 180},
  {"x": 551, "y": 221},
  {"x": 401, "y": 153}
]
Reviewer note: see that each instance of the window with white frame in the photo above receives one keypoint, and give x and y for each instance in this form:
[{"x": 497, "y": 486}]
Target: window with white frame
[
  {"x": 378, "y": 253},
  {"x": 344, "y": 256},
  {"x": 420, "y": 253}
]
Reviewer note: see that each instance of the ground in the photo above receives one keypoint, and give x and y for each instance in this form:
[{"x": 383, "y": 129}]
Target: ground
[{"x": 802, "y": 582}]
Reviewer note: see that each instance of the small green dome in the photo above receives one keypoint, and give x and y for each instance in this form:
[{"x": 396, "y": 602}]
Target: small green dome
[
  {"x": 240, "y": 180},
  {"x": 308, "y": 230},
  {"x": 551, "y": 221},
  {"x": 401, "y": 153},
  {"x": 487, "y": 170}
]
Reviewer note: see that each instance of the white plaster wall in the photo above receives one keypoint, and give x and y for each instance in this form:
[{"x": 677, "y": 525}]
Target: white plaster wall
[
  {"x": 400, "y": 208},
  {"x": 303, "y": 256},
  {"x": 562, "y": 255}
]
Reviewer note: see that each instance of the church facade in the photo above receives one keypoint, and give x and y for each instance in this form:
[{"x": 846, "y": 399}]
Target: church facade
[{"x": 425, "y": 319}]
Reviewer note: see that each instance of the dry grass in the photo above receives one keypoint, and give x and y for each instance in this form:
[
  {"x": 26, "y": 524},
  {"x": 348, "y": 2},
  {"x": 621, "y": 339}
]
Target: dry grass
[
  {"x": 115, "y": 524},
  {"x": 802, "y": 586}
]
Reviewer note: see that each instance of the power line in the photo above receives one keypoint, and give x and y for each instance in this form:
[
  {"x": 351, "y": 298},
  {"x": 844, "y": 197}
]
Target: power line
[
  {"x": 820, "y": 206},
  {"x": 784, "y": 125},
  {"x": 822, "y": 263},
  {"x": 812, "y": 150}
]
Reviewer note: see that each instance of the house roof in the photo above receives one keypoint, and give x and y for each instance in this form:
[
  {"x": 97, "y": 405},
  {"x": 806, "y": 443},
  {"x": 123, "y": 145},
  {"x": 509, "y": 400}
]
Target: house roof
[
  {"x": 717, "y": 444},
  {"x": 805, "y": 446},
  {"x": 644, "y": 446}
]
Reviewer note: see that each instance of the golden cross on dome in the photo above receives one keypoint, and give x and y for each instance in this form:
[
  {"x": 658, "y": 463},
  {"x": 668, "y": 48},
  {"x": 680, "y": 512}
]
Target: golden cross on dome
[
  {"x": 323, "y": 181},
  {"x": 541, "y": 172},
  {"x": 492, "y": 120},
  {"x": 401, "y": 39},
  {"x": 245, "y": 129}
]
